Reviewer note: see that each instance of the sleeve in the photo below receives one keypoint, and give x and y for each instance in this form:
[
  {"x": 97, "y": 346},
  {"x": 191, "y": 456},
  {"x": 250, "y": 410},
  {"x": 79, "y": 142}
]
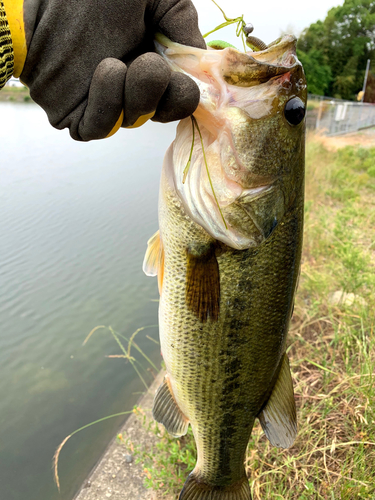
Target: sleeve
[{"x": 6, "y": 48}]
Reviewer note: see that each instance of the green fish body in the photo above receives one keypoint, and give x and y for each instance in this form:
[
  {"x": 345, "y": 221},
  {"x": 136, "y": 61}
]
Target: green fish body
[{"x": 228, "y": 264}]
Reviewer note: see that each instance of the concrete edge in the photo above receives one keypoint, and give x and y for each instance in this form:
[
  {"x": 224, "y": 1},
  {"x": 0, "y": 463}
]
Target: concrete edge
[{"x": 115, "y": 477}]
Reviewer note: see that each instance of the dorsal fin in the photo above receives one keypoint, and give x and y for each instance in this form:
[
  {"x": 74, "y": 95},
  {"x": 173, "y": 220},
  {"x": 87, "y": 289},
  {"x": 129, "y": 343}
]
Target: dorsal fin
[
  {"x": 279, "y": 419},
  {"x": 153, "y": 263},
  {"x": 203, "y": 282}
]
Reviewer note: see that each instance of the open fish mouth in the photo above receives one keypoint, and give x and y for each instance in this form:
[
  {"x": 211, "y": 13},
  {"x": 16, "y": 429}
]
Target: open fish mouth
[
  {"x": 244, "y": 69},
  {"x": 253, "y": 68}
]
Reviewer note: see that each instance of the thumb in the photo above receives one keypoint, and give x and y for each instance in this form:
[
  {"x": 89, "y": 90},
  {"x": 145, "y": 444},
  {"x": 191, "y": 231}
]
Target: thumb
[{"x": 178, "y": 20}]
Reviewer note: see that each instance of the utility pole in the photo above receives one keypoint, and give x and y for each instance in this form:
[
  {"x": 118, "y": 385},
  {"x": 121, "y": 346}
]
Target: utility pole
[{"x": 365, "y": 81}]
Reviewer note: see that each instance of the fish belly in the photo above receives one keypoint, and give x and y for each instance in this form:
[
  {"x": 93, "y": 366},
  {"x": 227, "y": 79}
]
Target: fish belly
[{"x": 222, "y": 372}]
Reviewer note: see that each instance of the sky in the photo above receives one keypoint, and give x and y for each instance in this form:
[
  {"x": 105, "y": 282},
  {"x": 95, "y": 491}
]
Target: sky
[{"x": 269, "y": 17}]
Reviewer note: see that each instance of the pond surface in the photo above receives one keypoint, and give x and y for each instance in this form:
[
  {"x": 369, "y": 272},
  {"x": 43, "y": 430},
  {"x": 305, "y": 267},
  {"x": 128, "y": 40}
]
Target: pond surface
[{"x": 75, "y": 219}]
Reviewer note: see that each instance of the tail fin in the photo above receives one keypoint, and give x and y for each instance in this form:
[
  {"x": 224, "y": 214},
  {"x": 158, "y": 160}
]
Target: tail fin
[{"x": 195, "y": 489}]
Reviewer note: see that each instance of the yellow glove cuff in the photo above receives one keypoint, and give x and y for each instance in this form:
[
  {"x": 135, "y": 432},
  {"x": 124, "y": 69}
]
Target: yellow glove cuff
[
  {"x": 142, "y": 120},
  {"x": 14, "y": 13},
  {"x": 117, "y": 126},
  {"x": 6, "y": 49}
]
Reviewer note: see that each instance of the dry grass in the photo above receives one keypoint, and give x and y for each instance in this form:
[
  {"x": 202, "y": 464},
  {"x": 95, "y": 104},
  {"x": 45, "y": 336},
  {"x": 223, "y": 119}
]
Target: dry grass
[
  {"x": 334, "y": 454},
  {"x": 331, "y": 348}
]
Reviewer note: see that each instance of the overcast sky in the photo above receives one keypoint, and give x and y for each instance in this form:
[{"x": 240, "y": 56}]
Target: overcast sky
[{"x": 269, "y": 17}]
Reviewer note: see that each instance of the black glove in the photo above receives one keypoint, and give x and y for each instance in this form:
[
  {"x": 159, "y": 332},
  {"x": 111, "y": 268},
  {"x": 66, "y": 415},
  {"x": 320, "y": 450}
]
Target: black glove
[{"x": 89, "y": 60}]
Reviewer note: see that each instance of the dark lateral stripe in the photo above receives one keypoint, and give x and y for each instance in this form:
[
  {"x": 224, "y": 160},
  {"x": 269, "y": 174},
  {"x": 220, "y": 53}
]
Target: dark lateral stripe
[{"x": 6, "y": 48}]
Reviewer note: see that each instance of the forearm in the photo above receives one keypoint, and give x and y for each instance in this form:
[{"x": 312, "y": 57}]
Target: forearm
[{"x": 13, "y": 12}]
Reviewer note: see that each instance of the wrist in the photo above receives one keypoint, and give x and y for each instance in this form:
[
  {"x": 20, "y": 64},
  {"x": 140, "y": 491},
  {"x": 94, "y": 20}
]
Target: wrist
[
  {"x": 15, "y": 17},
  {"x": 6, "y": 49}
]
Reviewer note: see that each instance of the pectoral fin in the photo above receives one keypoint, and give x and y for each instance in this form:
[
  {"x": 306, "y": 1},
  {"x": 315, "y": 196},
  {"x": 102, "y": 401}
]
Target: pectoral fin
[
  {"x": 153, "y": 263},
  {"x": 278, "y": 418},
  {"x": 166, "y": 411},
  {"x": 203, "y": 282}
]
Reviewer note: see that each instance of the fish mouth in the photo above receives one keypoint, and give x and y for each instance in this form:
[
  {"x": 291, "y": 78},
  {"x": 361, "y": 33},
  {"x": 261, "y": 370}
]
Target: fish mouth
[
  {"x": 242, "y": 69},
  {"x": 254, "y": 68}
]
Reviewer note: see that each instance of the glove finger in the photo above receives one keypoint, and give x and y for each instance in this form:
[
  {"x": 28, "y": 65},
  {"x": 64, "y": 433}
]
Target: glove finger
[
  {"x": 146, "y": 81},
  {"x": 178, "y": 20},
  {"x": 105, "y": 101},
  {"x": 179, "y": 101}
]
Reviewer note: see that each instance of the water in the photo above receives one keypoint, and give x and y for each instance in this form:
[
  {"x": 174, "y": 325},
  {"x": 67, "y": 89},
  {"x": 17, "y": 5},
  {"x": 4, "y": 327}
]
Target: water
[{"x": 74, "y": 223}]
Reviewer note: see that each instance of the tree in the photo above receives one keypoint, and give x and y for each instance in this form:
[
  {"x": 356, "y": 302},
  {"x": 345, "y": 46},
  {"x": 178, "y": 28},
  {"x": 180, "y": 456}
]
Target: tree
[
  {"x": 318, "y": 73},
  {"x": 342, "y": 42}
]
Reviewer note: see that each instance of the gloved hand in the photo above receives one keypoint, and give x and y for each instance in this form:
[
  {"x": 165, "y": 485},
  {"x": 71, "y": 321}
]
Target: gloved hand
[{"x": 89, "y": 61}]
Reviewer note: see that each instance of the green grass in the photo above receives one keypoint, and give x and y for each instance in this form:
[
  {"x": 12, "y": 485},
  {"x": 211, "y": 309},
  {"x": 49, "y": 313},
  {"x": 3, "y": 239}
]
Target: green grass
[
  {"x": 167, "y": 462},
  {"x": 331, "y": 348}
]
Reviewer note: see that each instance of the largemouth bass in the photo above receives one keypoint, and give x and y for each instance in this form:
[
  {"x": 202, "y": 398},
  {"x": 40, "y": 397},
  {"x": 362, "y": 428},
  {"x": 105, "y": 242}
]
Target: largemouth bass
[{"x": 227, "y": 255}]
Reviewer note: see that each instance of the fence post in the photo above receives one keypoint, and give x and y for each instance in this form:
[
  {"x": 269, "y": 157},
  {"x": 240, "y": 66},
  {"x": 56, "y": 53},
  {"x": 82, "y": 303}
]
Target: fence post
[{"x": 320, "y": 111}]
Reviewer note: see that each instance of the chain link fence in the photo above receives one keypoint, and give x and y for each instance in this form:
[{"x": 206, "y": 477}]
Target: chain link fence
[{"x": 336, "y": 116}]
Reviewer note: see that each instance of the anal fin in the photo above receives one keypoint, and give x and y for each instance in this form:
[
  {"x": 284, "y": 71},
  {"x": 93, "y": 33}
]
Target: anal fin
[
  {"x": 279, "y": 419},
  {"x": 203, "y": 282},
  {"x": 153, "y": 263},
  {"x": 166, "y": 411}
]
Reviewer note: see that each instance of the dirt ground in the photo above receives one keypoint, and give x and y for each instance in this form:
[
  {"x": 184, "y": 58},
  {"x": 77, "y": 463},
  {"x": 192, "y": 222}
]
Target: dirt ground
[{"x": 364, "y": 138}]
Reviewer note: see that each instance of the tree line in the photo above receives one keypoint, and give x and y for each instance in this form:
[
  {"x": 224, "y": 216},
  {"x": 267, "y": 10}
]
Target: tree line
[{"x": 334, "y": 52}]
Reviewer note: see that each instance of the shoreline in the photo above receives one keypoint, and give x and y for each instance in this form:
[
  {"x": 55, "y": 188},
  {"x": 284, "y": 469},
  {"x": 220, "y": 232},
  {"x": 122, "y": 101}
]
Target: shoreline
[
  {"x": 116, "y": 477},
  {"x": 15, "y": 94}
]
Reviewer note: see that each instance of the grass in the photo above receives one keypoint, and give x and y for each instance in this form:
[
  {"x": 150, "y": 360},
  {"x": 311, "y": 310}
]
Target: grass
[
  {"x": 166, "y": 463},
  {"x": 331, "y": 348}
]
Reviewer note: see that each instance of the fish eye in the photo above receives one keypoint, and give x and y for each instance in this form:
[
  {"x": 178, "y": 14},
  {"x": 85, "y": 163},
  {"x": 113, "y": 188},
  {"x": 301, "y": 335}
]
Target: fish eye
[{"x": 294, "y": 111}]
